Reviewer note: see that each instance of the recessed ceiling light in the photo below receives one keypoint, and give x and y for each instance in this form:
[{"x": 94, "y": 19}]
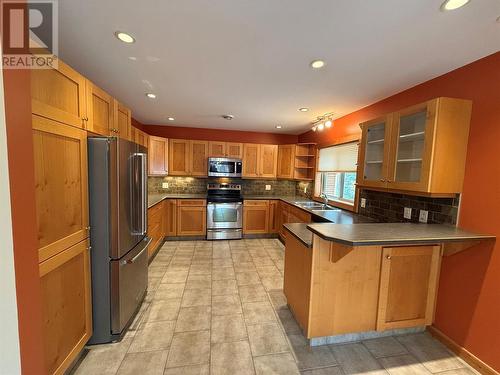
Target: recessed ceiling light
[
  {"x": 170, "y": 119},
  {"x": 124, "y": 37},
  {"x": 227, "y": 117},
  {"x": 303, "y": 109},
  {"x": 278, "y": 126},
  {"x": 317, "y": 64},
  {"x": 150, "y": 95},
  {"x": 453, "y": 4}
]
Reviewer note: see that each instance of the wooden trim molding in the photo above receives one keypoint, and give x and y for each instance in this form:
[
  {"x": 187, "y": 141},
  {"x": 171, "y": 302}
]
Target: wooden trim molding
[{"x": 463, "y": 353}]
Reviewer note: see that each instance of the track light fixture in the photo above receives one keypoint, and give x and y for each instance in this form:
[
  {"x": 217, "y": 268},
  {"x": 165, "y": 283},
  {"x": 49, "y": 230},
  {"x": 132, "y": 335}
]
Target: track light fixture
[{"x": 322, "y": 122}]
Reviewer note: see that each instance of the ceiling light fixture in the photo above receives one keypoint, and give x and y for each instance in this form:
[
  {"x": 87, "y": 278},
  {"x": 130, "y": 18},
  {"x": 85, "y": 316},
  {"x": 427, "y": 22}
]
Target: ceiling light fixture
[
  {"x": 278, "y": 126},
  {"x": 453, "y": 4},
  {"x": 124, "y": 37},
  {"x": 150, "y": 95},
  {"x": 317, "y": 64},
  {"x": 303, "y": 109},
  {"x": 323, "y": 122},
  {"x": 170, "y": 119}
]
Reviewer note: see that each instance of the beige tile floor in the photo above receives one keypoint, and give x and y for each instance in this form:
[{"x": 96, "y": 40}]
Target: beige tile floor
[{"x": 218, "y": 308}]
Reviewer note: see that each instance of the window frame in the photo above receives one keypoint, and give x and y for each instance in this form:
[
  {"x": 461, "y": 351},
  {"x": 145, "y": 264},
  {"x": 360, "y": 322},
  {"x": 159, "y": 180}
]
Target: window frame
[{"x": 318, "y": 183}]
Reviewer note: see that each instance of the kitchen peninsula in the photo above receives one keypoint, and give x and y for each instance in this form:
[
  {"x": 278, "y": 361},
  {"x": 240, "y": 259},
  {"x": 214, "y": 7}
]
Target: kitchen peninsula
[{"x": 346, "y": 282}]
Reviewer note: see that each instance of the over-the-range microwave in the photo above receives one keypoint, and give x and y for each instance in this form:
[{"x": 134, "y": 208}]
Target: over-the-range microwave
[{"x": 224, "y": 167}]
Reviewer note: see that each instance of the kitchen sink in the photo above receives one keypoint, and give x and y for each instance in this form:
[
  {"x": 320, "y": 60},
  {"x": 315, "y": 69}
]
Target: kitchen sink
[
  {"x": 314, "y": 206},
  {"x": 325, "y": 208}
]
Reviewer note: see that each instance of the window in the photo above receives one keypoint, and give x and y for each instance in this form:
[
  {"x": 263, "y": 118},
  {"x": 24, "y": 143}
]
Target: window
[{"x": 336, "y": 175}]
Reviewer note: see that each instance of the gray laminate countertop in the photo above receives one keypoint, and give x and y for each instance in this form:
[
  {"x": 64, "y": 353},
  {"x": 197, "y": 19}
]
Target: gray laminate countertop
[
  {"x": 300, "y": 231},
  {"x": 392, "y": 233}
]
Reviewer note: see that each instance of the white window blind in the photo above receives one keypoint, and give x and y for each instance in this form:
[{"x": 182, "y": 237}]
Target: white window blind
[{"x": 341, "y": 158}]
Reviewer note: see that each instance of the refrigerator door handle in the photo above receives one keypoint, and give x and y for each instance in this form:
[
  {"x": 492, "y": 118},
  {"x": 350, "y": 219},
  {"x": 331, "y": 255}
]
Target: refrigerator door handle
[
  {"x": 144, "y": 196},
  {"x": 134, "y": 259}
]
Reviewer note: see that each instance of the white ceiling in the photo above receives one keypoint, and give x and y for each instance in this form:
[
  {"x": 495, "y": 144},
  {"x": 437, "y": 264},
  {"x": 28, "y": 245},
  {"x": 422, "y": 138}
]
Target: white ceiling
[{"x": 250, "y": 58}]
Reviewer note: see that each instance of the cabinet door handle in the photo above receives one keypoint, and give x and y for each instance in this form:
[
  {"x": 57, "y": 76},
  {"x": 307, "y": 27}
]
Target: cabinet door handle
[{"x": 388, "y": 257}]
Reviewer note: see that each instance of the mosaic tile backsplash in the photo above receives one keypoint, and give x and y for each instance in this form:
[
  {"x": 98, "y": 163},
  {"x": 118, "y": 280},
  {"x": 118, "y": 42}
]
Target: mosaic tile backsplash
[
  {"x": 191, "y": 185},
  {"x": 389, "y": 207}
]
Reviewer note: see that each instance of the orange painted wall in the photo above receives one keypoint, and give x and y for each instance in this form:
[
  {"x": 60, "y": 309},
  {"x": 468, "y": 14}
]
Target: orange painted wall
[
  {"x": 217, "y": 134},
  {"x": 468, "y": 307},
  {"x": 24, "y": 226}
]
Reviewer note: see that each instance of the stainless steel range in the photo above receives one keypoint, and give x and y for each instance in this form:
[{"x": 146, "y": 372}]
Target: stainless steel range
[{"x": 224, "y": 211}]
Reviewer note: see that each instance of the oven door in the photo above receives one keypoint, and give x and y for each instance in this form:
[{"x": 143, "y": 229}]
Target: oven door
[{"x": 224, "y": 215}]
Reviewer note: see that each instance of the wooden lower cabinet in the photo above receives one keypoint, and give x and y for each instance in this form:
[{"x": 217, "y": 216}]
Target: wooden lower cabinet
[
  {"x": 191, "y": 217},
  {"x": 335, "y": 289},
  {"x": 255, "y": 216},
  {"x": 170, "y": 206},
  {"x": 297, "y": 280},
  {"x": 156, "y": 227},
  {"x": 274, "y": 216},
  {"x": 290, "y": 214},
  {"x": 408, "y": 286},
  {"x": 283, "y": 219},
  {"x": 66, "y": 306}
]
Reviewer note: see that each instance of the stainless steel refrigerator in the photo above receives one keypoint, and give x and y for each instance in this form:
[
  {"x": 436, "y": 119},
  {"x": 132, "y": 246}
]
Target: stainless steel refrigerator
[{"x": 118, "y": 224}]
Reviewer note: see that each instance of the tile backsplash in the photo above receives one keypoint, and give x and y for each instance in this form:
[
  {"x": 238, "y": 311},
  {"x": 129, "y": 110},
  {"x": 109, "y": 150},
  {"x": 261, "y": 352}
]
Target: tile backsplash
[
  {"x": 389, "y": 207},
  {"x": 191, "y": 185}
]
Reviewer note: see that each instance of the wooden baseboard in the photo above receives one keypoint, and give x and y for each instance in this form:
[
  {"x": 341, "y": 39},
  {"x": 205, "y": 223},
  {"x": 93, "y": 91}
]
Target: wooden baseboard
[{"x": 463, "y": 353}]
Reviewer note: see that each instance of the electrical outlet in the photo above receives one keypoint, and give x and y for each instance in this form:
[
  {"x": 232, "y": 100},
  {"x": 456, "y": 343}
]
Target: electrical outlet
[
  {"x": 268, "y": 187},
  {"x": 363, "y": 202},
  {"x": 407, "y": 213},
  {"x": 164, "y": 185},
  {"x": 422, "y": 217}
]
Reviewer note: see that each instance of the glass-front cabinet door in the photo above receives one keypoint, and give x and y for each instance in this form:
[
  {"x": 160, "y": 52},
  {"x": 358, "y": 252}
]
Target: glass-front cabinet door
[
  {"x": 374, "y": 152},
  {"x": 411, "y": 147}
]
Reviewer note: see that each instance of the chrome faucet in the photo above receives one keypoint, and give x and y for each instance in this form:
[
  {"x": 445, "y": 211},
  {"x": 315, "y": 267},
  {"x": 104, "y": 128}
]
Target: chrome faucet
[{"x": 324, "y": 197}]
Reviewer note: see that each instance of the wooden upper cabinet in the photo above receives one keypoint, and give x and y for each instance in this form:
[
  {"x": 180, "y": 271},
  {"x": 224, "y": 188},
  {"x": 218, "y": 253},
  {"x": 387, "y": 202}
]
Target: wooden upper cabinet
[
  {"x": 141, "y": 137},
  {"x": 59, "y": 94},
  {"x": 178, "y": 157},
  {"x": 217, "y": 149},
  {"x": 255, "y": 216},
  {"x": 225, "y": 149},
  {"x": 251, "y": 163},
  {"x": 123, "y": 121},
  {"x": 419, "y": 149},
  {"x": 408, "y": 286},
  {"x": 234, "y": 150},
  {"x": 66, "y": 306},
  {"x": 61, "y": 185},
  {"x": 286, "y": 158},
  {"x": 158, "y": 156},
  {"x": 373, "y": 156},
  {"x": 99, "y": 111},
  {"x": 198, "y": 158},
  {"x": 268, "y": 161}
]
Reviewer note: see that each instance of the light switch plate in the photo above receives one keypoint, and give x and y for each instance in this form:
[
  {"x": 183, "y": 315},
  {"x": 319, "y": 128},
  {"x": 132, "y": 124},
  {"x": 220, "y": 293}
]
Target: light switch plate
[
  {"x": 268, "y": 187},
  {"x": 164, "y": 185},
  {"x": 422, "y": 217},
  {"x": 407, "y": 213},
  {"x": 363, "y": 202}
]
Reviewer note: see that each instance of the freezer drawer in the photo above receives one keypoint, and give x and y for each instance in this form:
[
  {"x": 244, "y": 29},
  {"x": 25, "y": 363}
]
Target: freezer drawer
[{"x": 129, "y": 281}]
